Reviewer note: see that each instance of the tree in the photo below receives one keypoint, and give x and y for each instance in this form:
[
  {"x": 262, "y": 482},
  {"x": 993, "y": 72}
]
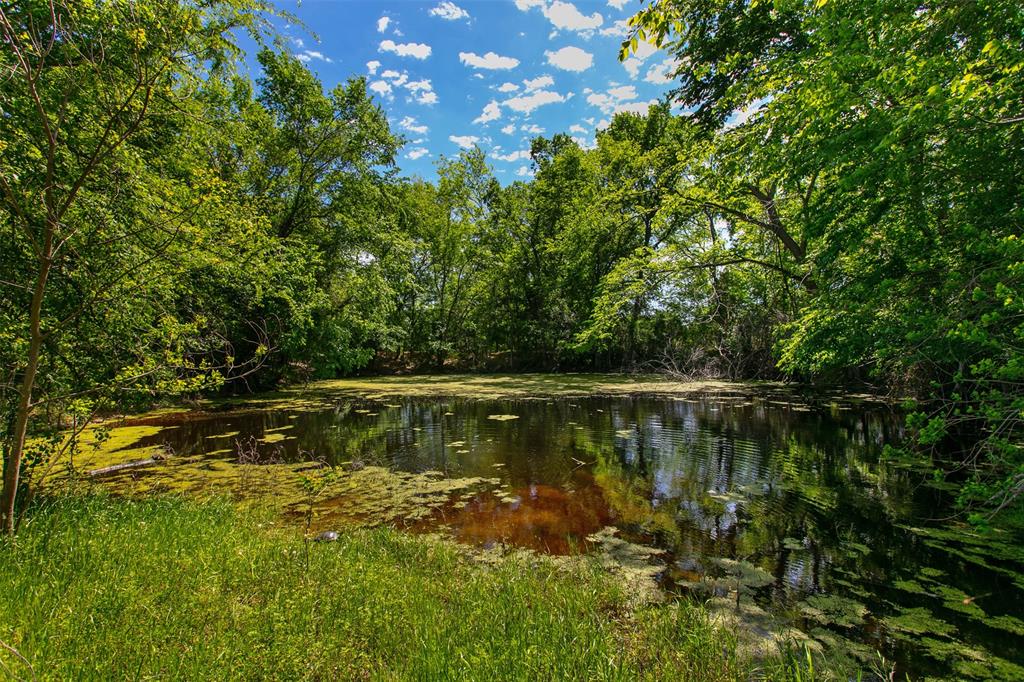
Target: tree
[
  {"x": 889, "y": 133},
  {"x": 90, "y": 91}
]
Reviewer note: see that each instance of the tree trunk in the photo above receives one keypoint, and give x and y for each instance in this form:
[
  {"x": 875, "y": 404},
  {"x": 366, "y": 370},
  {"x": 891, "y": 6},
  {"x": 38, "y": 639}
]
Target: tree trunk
[{"x": 12, "y": 465}]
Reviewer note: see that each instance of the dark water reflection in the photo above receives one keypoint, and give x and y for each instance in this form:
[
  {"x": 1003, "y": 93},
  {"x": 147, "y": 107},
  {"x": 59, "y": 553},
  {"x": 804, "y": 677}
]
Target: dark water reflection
[{"x": 826, "y": 533}]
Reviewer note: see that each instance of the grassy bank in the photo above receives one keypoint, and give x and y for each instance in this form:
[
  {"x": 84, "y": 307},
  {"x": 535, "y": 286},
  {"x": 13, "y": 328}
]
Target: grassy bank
[{"x": 95, "y": 587}]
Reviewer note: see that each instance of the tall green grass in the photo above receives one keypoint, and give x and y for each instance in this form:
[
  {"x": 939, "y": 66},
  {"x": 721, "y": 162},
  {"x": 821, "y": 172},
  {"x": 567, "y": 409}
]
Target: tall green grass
[{"x": 101, "y": 588}]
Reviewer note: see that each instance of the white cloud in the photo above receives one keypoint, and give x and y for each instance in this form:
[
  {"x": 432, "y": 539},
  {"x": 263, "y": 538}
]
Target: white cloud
[
  {"x": 371, "y": 67},
  {"x": 538, "y": 83},
  {"x": 662, "y": 72},
  {"x": 522, "y": 154},
  {"x": 533, "y": 129},
  {"x": 299, "y": 42},
  {"x": 524, "y": 171},
  {"x": 396, "y": 78},
  {"x": 509, "y": 129},
  {"x": 527, "y": 103},
  {"x": 491, "y": 112},
  {"x": 427, "y": 98},
  {"x": 310, "y": 55},
  {"x": 449, "y": 11},
  {"x": 644, "y": 50},
  {"x": 508, "y": 87},
  {"x": 617, "y": 4},
  {"x": 417, "y": 86},
  {"x": 565, "y": 16},
  {"x": 577, "y": 128},
  {"x": 417, "y": 152},
  {"x": 620, "y": 29},
  {"x": 570, "y": 59},
  {"x": 382, "y": 24},
  {"x": 417, "y": 50},
  {"x": 464, "y": 141},
  {"x": 488, "y": 61},
  {"x": 635, "y": 107},
  {"x": 525, "y": 5},
  {"x": 633, "y": 63},
  {"x": 382, "y": 88},
  {"x": 409, "y": 123},
  {"x": 618, "y": 99},
  {"x": 622, "y": 92}
]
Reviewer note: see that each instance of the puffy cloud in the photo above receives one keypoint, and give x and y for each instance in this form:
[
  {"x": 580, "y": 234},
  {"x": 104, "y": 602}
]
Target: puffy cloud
[
  {"x": 662, "y": 72},
  {"x": 488, "y": 61},
  {"x": 382, "y": 24},
  {"x": 417, "y": 86},
  {"x": 395, "y": 77},
  {"x": 564, "y": 15},
  {"x": 491, "y": 112},
  {"x": 527, "y": 103},
  {"x": 371, "y": 67},
  {"x": 449, "y": 11},
  {"x": 619, "y": 29},
  {"x": 525, "y": 5},
  {"x": 417, "y": 50},
  {"x": 522, "y": 154},
  {"x": 417, "y": 152},
  {"x": 409, "y": 123},
  {"x": 622, "y": 92},
  {"x": 577, "y": 128},
  {"x": 617, "y": 4},
  {"x": 464, "y": 141},
  {"x": 632, "y": 66},
  {"x": 570, "y": 59},
  {"x": 635, "y": 107},
  {"x": 532, "y": 128},
  {"x": 644, "y": 50},
  {"x": 538, "y": 83},
  {"x": 509, "y": 129},
  {"x": 508, "y": 87},
  {"x": 421, "y": 91},
  {"x": 382, "y": 88},
  {"x": 618, "y": 99},
  {"x": 310, "y": 55},
  {"x": 524, "y": 171}
]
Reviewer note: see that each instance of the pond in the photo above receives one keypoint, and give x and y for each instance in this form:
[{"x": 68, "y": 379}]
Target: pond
[{"x": 787, "y": 506}]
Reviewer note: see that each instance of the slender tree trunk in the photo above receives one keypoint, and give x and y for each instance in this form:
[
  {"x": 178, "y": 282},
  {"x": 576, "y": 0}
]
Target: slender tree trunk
[{"x": 12, "y": 465}]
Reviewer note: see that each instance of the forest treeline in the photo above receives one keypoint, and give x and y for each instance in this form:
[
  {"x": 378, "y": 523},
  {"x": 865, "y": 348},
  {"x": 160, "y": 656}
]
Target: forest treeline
[{"x": 833, "y": 192}]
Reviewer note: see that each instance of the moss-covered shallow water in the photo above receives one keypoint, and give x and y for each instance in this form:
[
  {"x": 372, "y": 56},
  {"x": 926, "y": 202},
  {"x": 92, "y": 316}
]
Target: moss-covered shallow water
[{"x": 781, "y": 513}]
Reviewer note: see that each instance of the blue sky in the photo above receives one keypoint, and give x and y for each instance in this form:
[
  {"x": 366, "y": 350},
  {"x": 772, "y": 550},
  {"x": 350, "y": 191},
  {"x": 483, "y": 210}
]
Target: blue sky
[{"x": 495, "y": 73}]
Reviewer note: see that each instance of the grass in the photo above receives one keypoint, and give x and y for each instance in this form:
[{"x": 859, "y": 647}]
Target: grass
[{"x": 95, "y": 587}]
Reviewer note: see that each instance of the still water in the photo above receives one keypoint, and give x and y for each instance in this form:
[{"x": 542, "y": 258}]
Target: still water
[{"x": 792, "y": 506}]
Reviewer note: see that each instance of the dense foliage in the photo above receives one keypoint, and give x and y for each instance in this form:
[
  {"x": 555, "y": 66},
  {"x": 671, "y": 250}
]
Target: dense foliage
[{"x": 834, "y": 192}]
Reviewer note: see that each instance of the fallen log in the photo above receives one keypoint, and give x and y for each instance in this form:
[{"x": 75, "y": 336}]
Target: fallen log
[{"x": 133, "y": 464}]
